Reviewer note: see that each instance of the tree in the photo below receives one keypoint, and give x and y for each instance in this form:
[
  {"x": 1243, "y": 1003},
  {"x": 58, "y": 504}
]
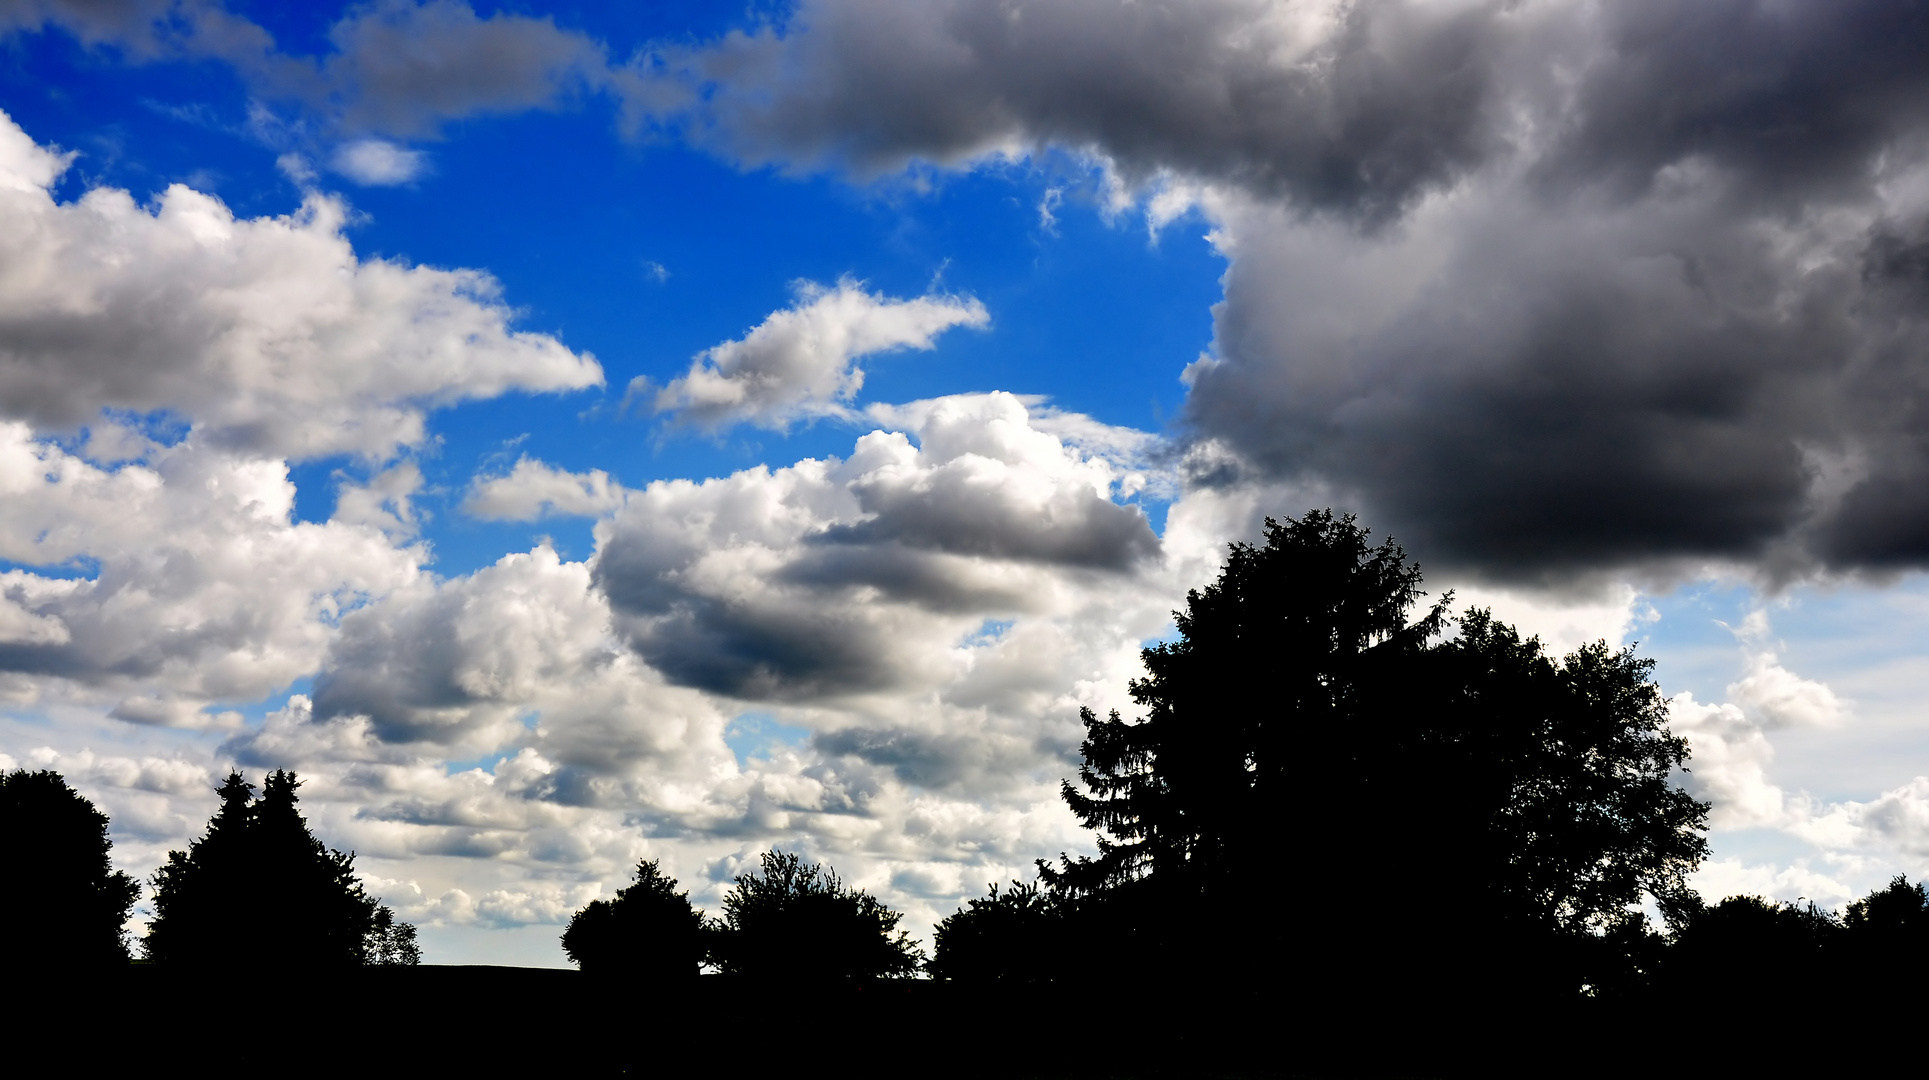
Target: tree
[
  {"x": 1011, "y": 936},
  {"x": 260, "y": 884},
  {"x": 794, "y": 920},
  {"x": 1727, "y": 952},
  {"x": 649, "y": 931},
  {"x": 1269, "y": 665},
  {"x": 1302, "y": 731},
  {"x": 1548, "y": 793},
  {"x": 390, "y": 943},
  {"x": 62, "y": 901}
]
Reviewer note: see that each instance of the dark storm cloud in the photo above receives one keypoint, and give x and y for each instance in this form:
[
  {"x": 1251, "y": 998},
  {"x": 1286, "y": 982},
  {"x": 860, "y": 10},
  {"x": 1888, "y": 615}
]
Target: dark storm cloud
[
  {"x": 1689, "y": 324},
  {"x": 1359, "y": 117},
  {"x": 1789, "y": 96}
]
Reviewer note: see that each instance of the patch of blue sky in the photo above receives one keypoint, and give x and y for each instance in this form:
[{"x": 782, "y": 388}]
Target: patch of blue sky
[
  {"x": 987, "y": 633},
  {"x": 1693, "y": 641},
  {"x": 487, "y": 763},
  {"x": 253, "y": 713},
  {"x": 755, "y": 735},
  {"x": 647, "y": 254},
  {"x": 78, "y": 568}
]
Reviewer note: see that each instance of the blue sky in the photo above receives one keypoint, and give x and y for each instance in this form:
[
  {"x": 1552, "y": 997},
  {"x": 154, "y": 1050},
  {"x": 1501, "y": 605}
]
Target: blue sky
[{"x": 461, "y": 406}]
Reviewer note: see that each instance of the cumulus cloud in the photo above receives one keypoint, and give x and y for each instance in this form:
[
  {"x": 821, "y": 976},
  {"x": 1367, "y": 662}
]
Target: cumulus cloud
[
  {"x": 203, "y": 589},
  {"x": 268, "y": 334},
  {"x": 379, "y": 163},
  {"x": 1550, "y": 289},
  {"x": 832, "y": 577},
  {"x": 596, "y": 732},
  {"x": 533, "y": 489},
  {"x": 802, "y": 361}
]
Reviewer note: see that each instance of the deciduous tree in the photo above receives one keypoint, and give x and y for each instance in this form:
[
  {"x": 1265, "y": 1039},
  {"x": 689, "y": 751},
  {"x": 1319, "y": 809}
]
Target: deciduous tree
[
  {"x": 61, "y": 900},
  {"x": 797, "y": 920},
  {"x": 649, "y": 931}
]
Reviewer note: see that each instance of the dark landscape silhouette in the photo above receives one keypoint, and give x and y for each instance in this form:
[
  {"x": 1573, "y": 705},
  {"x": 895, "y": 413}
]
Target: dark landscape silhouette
[{"x": 1349, "y": 834}]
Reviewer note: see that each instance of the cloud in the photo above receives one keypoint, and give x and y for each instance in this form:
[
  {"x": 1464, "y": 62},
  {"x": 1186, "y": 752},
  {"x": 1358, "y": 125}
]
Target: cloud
[
  {"x": 534, "y": 489},
  {"x": 379, "y": 163},
  {"x": 832, "y": 577},
  {"x": 394, "y": 68},
  {"x": 1783, "y": 699},
  {"x": 200, "y": 587},
  {"x": 801, "y": 361},
  {"x": 267, "y": 334},
  {"x": 1357, "y": 109},
  {"x": 403, "y": 68}
]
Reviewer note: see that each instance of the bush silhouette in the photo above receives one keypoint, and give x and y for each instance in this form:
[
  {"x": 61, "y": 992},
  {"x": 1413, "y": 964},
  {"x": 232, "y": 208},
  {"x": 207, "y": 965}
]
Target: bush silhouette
[
  {"x": 649, "y": 931},
  {"x": 258, "y": 883},
  {"x": 62, "y": 901},
  {"x": 1016, "y": 935},
  {"x": 796, "y": 921}
]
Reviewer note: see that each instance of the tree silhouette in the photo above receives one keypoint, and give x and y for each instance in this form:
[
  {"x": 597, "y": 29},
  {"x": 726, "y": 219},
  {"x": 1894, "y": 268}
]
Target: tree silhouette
[
  {"x": 1885, "y": 941},
  {"x": 1532, "y": 798},
  {"x": 791, "y": 920},
  {"x": 390, "y": 943},
  {"x": 260, "y": 884},
  {"x": 1014, "y": 936},
  {"x": 61, "y": 900},
  {"x": 1541, "y": 797},
  {"x": 1265, "y": 678},
  {"x": 1730, "y": 950},
  {"x": 649, "y": 931}
]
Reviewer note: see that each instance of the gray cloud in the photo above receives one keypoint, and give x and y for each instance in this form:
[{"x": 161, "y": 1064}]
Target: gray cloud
[
  {"x": 1787, "y": 96},
  {"x": 1358, "y": 108},
  {"x": 839, "y": 578},
  {"x": 397, "y": 68}
]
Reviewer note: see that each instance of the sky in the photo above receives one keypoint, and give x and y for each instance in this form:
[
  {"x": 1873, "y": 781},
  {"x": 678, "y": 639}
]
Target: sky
[{"x": 574, "y": 434}]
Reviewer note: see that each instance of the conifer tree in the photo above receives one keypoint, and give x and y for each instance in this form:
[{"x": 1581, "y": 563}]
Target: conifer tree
[
  {"x": 259, "y": 884},
  {"x": 61, "y": 900}
]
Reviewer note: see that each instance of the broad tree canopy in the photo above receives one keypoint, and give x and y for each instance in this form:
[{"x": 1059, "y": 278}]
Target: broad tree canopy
[{"x": 62, "y": 902}]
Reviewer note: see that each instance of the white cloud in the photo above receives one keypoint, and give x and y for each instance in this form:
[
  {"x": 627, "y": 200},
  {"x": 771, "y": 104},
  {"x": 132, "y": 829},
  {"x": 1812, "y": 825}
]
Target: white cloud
[
  {"x": 533, "y": 489},
  {"x": 801, "y": 361},
  {"x": 1729, "y": 766},
  {"x": 203, "y": 587},
  {"x": 842, "y": 577},
  {"x": 1783, "y": 699},
  {"x": 267, "y": 334},
  {"x": 379, "y": 163},
  {"x": 384, "y": 502}
]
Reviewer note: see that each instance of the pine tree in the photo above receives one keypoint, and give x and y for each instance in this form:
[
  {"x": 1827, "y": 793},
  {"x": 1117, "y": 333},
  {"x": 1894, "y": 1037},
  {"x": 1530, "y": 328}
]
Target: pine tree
[
  {"x": 259, "y": 884},
  {"x": 61, "y": 899}
]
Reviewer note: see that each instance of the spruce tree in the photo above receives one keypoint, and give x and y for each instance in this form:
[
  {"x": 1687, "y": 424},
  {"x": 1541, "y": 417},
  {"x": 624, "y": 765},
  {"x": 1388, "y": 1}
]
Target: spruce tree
[{"x": 259, "y": 884}]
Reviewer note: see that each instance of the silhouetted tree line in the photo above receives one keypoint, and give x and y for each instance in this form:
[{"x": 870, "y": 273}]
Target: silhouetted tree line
[
  {"x": 257, "y": 884},
  {"x": 788, "y": 919},
  {"x": 1326, "y": 789}
]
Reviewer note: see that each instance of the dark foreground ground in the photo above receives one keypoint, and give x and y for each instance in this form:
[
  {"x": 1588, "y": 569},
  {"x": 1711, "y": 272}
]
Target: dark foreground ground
[{"x": 496, "y": 1021}]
